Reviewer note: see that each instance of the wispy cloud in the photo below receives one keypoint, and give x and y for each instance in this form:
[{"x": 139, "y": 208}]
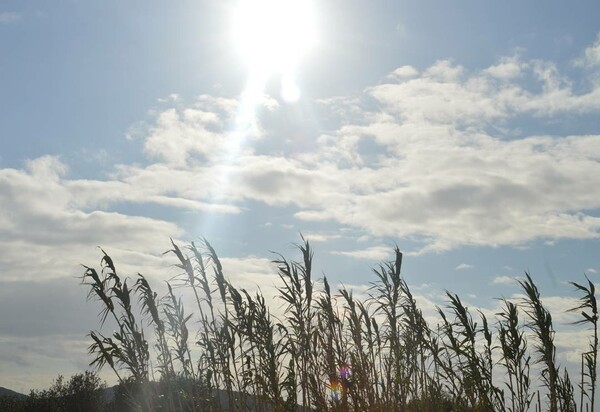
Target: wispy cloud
[
  {"x": 508, "y": 68},
  {"x": 7, "y": 17},
  {"x": 371, "y": 253},
  {"x": 464, "y": 266},
  {"x": 590, "y": 56},
  {"x": 504, "y": 280},
  {"x": 320, "y": 236}
]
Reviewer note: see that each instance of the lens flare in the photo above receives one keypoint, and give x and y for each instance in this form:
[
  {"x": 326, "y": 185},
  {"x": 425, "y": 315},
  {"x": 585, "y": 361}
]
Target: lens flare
[
  {"x": 336, "y": 390},
  {"x": 337, "y": 387},
  {"x": 345, "y": 372}
]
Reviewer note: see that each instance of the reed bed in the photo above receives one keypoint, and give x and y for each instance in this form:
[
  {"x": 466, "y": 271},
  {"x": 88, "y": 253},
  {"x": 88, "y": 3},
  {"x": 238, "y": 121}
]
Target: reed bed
[{"x": 329, "y": 350}]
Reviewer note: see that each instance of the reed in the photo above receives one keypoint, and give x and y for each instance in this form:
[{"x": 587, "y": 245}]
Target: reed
[
  {"x": 588, "y": 308},
  {"x": 329, "y": 350}
]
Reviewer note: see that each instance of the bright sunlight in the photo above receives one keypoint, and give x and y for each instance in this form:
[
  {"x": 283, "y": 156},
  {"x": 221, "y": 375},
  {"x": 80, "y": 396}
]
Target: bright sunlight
[{"x": 273, "y": 35}]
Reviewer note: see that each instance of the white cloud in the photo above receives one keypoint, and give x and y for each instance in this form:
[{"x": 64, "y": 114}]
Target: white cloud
[
  {"x": 252, "y": 273},
  {"x": 403, "y": 72},
  {"x": 40, "y": 217},
  {"x": 427, "y": 162},
  {"x": 559, "y": 307},
  {"x": 7, "y": 17},
  {"x": 371, "y": 253},
  {"x": 320, "y": 236},
  {"x": 591, "y": 270},
  {"x": 434, "y": 173},
  {"x": 96, "y": 193},
  {"x": 464, "y": 266},
  {"x": 508, "y": 68},
  {"x": 444, "y": 71},
  {"x": 178, "y": 134},
  {"x": 172, "y": 98},
  {"x": 591, "y": 55},
  {"x": 440, "y": 97},
  {"x": 504, "y": 280},
  {"x": 448, "y": 94}
]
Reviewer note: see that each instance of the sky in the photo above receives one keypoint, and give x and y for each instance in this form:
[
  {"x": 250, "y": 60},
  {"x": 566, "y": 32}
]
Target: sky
[{"x": 465, "y": 132}]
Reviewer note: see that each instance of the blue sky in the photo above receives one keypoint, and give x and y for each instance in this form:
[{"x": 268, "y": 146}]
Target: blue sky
[{"x": 468, "y": 133}]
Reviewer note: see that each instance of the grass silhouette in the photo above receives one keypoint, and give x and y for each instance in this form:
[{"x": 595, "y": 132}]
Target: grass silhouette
[{"x": 329, "y": 351}]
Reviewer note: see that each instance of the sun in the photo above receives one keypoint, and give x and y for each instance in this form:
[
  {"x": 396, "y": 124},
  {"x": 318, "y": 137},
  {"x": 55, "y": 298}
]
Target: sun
[{"x": 273, "y": 35}]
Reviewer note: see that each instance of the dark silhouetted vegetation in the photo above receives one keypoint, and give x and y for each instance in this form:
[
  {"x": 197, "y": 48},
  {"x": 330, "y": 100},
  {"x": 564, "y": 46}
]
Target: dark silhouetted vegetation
[
  {"x": 329, "y": 350},
  {"x": 81, "y": 393}
]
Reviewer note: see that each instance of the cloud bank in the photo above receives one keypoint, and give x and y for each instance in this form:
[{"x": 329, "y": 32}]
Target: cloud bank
[{"x": 437, "y": 156}]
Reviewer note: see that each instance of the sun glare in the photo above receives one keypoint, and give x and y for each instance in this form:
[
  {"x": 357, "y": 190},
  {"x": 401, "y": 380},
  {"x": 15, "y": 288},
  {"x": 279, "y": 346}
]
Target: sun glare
[{"x": 273, "y": 35}]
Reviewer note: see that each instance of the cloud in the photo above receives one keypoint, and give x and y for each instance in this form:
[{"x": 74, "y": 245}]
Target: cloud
[
  {"x": 177, "y": 134},
  {"x": 590, "y": 56},
  {"x": 591, "y": 270},
  {"x": 320, "y": 236},
  {"x": 203, "y": 131},
  {"x": 439, "y": 96},
  {"x": 44, "y": 308},
  {"x": 504, "y": 280},
  {"x": 464, "y": 266},
  {"x": 434, "y": 156},
  {"x": 7, "y": 17},
  {"x": 39, "y": 216},
  {"x": 447, "y": 94},
  {"x": 96, "y": 193},
  {"x": 417, "y": 157},
  {"x": 508, "y": 68},
  {"x": 559, "y": 307},
  {"x": 253, "y": 273},
  {"x": 371, "y": 253},
  {"x": 403, "y": 72}
]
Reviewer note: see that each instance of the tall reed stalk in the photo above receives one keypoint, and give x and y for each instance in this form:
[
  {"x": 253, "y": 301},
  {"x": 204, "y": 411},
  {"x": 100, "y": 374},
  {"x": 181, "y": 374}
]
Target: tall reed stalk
[
  {"x": 560, "y": 391},
  {"x": 589, "y": 313},
  {"x": 515, "y": 358},
  {"x": 224, "y": 349}
]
